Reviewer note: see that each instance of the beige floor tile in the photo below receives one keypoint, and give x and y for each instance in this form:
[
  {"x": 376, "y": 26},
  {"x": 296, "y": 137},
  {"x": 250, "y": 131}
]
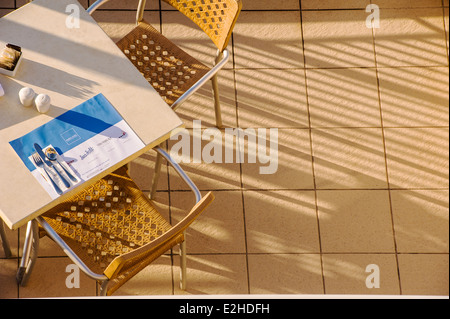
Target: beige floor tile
[
  {"x": 355, "y": 221},
  {"x": 20, "y": 3},
  {"x": 343, "y": 98},
  {"x": 357, "y": 274},
  {"x": 117, "y": 24},
  {"x": 161, "y": 203},
  {"x": 84, "y": 3},
  {"x": 421, "y": 220},
  {"x": 166, "y": 6},
  {"x": 417, "y": 157},
  {"x": 129, "y": 4},
  {"x": 411, "y": 37},
  {"x": 200, "y": 106},
  {"x": 47, "y": 247},
  {"x": 49, "y": 278},
  {"x": 8, "y": 284},
  {"x": 424, "y": 274},
  {"x": 7, "y": 4},
  {"x": 281, "y": 222},
  {"x": 155, "y": 279},
  {"x": 271, "y": 5},
  {"x": 4, "y": 12},
  {"x": 288, "y": 165},
  {"x": 334, "y": 4},
  {"x": 268, "y": 40},
  {"x": 285, "y": 274},
  {"x": 219, "y": 230},
  {"x": 188, "y": 36},
  {"x": 213, "y": 275},
  {"x": 414, "y": 96},
  {"x": 337, "y": 39},
  {"x": 206, "y": 161},
  {"x": 271, "y": 98},
  {"x": 142, "y": 170},
  {"x": 349, "y": 158},
  {"x": 408, "y": 3}
]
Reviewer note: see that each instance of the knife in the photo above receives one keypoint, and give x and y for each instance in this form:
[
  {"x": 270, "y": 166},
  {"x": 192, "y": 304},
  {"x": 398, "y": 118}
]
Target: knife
[{"x": 49, "y": 164}]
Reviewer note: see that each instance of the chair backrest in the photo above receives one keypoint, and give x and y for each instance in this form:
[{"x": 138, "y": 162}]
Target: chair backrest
[{"x": 215, "y": 17}]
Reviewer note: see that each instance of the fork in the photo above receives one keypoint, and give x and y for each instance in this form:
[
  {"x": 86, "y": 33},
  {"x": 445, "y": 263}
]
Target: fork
[{"x": 37, "y": 159}]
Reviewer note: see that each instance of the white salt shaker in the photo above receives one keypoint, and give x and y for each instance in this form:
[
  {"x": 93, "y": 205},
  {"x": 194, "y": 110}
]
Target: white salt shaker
[
  {"x": 26, "y": 96},
  {"x": 43, "y": 103},
  {"x": 2, "y": 92}
]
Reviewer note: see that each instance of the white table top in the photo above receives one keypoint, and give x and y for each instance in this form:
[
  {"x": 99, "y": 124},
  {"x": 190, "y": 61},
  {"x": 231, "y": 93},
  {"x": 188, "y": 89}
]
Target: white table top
[{"x": 71, "y": 65}]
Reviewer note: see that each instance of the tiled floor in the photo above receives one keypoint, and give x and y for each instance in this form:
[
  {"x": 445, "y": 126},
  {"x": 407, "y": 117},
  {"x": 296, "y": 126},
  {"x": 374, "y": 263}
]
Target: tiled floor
[{"x": 363, "y": 149}]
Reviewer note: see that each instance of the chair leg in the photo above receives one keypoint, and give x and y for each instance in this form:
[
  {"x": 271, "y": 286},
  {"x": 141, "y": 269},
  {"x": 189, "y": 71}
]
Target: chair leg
[
  {"x": 30, "y": 252},
  {"x": 104, "y": 288},
  {"x": 218, "y": 111},
  {"x": 158, "y": 165},
  {"x": 215, "y": 86},
  {"x": 183, "y": 265},
  {"x": 5, "y": 242}
]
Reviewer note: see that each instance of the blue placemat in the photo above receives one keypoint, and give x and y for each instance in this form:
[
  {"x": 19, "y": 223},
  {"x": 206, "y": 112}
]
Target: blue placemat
[
  {"x": 88, "y": 139},
  {"x": 69, "y": 129}
]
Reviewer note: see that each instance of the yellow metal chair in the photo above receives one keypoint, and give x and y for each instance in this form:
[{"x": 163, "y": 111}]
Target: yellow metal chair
[
  {"x": 175, "y": 74},
  {"x": 111, "y": 230}
]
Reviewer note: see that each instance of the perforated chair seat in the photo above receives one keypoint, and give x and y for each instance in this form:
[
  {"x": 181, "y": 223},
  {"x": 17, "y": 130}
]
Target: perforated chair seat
[{"x": 169, "y": 69}]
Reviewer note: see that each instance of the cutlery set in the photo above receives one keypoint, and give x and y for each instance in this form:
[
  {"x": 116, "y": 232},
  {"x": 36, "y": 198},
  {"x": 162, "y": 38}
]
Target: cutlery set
[{"x": 47, "y": 161}]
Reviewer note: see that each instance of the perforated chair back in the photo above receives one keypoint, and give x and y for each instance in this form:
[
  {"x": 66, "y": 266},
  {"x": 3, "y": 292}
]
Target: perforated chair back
[{"x": 215, "y": 17}]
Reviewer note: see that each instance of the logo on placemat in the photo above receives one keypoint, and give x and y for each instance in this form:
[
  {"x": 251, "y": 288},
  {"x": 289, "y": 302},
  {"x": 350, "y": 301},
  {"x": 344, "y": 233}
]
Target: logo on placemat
[{"x": 70, "y": 136}]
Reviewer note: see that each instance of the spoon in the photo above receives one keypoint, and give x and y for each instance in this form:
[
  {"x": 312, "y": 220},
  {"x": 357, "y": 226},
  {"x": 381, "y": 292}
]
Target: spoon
[{"x": 53, "y": 156}]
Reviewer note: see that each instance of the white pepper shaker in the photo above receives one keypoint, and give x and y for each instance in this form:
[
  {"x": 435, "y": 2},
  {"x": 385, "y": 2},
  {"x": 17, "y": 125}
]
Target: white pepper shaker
[
  {"x": 26, "y": 96},
  {"x": 43, "y": 103}
]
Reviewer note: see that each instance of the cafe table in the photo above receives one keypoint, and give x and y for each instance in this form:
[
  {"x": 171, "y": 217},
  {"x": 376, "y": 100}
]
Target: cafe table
[{"x": 71, "y": 61}]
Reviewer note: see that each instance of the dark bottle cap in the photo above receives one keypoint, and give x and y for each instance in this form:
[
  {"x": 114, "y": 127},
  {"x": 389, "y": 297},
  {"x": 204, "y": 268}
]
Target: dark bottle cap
[{"x": 14, "y": 47}]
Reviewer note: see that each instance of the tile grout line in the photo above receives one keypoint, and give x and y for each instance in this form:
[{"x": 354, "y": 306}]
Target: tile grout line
[
  {"x": 311, "y": 148},
  {"x": 278, "y": 10},
  {"x": 401, "y": 66},
  {"x": 445, "y": 33},
  {"x": 385, "y": 157},
  {"x": 240, "y": 168},
  {"x": 167, "y": 166},
  {"x": 240, "y": 164},
  {"x": 307, "y": 189},
  {"x": 324, "y": 128},
  {"x": 167, "y": 254},
  {"x": 172, "y": 255},
  {"x": 304, "y": 253}
]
